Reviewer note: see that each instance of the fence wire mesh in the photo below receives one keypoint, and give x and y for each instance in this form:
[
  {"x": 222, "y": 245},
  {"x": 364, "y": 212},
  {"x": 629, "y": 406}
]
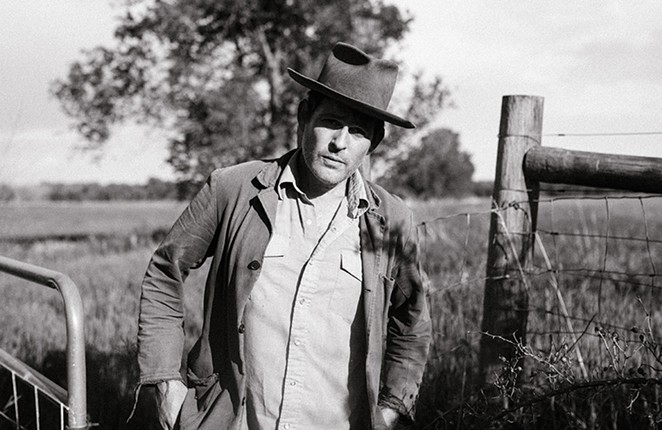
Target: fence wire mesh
[
  {"x": 597, "y": 256},
  {"x": 594, "y": 289}
]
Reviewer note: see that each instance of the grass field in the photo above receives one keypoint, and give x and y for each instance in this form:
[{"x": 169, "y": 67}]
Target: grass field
[
  {"x": 62, "y": 219},
  {"x": 605, "y": 255}
]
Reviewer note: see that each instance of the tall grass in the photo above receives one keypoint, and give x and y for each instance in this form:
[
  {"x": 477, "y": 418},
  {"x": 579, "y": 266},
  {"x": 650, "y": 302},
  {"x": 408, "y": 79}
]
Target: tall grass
[
  {"x": 605, "y": 272},
  {"x": 109, "y": 282},
  {"x": 609, "y": 316}
]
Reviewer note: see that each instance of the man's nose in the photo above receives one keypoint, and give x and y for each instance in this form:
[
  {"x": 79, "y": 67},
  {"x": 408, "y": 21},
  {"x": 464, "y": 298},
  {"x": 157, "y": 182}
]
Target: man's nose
[{"x": 341, "y": 139}]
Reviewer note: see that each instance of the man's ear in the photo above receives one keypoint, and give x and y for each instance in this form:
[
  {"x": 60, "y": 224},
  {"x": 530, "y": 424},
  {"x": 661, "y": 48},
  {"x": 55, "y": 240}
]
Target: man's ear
[
  {"x": 302, "y": 118},
  {"x": 377, "y": 136}
]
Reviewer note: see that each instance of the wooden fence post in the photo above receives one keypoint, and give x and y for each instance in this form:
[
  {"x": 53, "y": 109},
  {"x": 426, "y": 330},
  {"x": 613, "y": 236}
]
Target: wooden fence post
[{"x": 506, "y": 300}]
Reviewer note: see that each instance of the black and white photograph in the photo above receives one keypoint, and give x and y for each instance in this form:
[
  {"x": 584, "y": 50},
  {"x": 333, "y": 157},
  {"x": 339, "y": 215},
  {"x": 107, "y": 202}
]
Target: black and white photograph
[{"x": 342, "y": 215}]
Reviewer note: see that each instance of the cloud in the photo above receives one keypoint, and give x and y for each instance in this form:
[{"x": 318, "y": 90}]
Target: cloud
[
  {"x": 132, "y": 155},
  {"x": 596, "y": 63},
  {"x": 615, "y": 59},
  {"x": 40, "y": 38}
]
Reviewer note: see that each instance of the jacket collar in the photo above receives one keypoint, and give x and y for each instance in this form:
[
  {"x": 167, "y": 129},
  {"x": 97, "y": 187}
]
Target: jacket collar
[
  {"x": 269, "y": 175},
  {"x": 373, "y": 199}
]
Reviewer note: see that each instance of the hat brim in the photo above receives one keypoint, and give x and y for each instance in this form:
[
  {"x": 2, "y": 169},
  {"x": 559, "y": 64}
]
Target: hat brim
[{"x": 351, "y": 102}]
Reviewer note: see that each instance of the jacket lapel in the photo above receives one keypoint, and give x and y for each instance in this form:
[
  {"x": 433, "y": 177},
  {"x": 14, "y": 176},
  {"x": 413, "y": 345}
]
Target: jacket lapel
[{"x": 267, "y": 195}]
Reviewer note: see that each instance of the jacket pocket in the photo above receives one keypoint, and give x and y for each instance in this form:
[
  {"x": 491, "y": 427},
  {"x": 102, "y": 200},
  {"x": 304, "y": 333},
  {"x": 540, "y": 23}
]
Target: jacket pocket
[
  {"x": 277, "y": 247},
  {"x": 201, "y": 401},
  {"x": 397, "y": 295}
]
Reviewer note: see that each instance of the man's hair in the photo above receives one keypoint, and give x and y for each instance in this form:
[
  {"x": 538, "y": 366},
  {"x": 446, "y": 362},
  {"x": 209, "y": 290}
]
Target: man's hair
[{"x": 314, "y": 99}]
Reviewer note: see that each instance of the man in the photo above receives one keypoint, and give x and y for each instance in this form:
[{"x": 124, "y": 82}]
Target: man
[{"x": 315, "y": 315}]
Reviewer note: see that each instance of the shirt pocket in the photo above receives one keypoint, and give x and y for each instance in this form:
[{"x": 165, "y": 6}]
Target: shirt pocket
[
  {"x": 347, "y": 288},
  {"x": 278, "y": 247}
]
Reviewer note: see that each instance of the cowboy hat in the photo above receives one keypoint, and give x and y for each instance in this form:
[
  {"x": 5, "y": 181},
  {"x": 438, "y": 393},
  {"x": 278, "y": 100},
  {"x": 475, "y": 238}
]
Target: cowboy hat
[{"x": 354, "y": 78}]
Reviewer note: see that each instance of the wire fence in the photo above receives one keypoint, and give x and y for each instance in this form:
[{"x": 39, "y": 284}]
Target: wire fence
[
  {"x": 593, "y": 309},
  {"x": 594, "y": 277}
]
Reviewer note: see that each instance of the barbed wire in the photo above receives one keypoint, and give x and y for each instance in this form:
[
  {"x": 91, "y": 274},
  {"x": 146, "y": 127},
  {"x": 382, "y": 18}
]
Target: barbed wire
[
  {"x": 429, "y": 229},
  {"x": 594, "y": 236},
  {"x": 457, "y": 215},
  {"x": 631, "y": 133},
  {"x": 600, "y": 261},
  {"x": 585, "y": 273}
]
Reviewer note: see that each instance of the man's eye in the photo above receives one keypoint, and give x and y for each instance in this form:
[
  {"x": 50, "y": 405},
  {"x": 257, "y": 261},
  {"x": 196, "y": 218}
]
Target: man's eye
[
  {"x": 358, "y": 131},
  {"x": 333, "y": 123}
]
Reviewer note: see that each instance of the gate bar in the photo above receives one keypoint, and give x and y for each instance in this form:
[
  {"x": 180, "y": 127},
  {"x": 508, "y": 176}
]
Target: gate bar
[
  {"x": 73, "y": 310},
  {"x": 31, "y": 376}
]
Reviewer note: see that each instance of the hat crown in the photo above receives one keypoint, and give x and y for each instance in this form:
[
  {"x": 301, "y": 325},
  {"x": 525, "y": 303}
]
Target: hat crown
[
  {"x": 355, "y": 74},
  {"x": 354, "y": 78}
]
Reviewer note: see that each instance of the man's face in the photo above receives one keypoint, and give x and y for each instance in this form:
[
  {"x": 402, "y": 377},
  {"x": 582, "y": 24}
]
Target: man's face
[{"x": 334, "y": 141}]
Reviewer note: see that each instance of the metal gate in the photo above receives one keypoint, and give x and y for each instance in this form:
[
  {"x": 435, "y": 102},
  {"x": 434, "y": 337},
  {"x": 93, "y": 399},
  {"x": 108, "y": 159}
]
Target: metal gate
[{"x": 72, "y": 403}]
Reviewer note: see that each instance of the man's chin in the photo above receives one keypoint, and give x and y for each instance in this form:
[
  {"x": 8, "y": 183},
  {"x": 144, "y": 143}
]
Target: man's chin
[
  {"x": 329, "y": 181},
  {"x": 329, "y": 175}
]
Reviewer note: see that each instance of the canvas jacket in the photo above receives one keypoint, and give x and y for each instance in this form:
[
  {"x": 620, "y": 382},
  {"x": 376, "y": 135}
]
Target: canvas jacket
[{"x": 230, "y": 220}]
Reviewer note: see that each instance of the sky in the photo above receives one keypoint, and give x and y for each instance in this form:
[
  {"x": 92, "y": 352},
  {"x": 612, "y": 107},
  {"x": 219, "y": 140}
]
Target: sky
[{"x": 596, "y": 63}]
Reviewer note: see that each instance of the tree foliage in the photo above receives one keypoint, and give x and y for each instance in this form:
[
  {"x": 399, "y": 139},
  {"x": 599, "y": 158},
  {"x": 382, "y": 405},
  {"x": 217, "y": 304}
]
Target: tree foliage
[
  {"x": 7, "y": 193},
  {"x": 214, "y": 73},
  {"x": 437, "y": 167}
]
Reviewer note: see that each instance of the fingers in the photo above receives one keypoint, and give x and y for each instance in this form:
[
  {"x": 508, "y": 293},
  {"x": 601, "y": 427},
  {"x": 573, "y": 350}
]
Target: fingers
[{"x": 169, "y": 399}]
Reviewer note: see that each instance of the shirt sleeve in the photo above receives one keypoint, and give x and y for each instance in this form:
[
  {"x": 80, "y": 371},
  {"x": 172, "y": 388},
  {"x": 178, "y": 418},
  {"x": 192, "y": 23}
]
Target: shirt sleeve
[
  {"x": 409, "y": 329},
  {"x": 161, "y": 321}
]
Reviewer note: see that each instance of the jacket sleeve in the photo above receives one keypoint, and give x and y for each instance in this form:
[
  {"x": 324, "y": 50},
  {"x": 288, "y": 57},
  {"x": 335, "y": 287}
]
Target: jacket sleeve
[
  {"x": 409, "y": 328},
  {"x": 161, "y": 321}
]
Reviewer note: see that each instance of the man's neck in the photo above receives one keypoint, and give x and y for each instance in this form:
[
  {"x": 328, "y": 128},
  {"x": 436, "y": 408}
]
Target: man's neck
[
  {"x": 331, "y": 197},
  {"x": 313, "y": 188}
]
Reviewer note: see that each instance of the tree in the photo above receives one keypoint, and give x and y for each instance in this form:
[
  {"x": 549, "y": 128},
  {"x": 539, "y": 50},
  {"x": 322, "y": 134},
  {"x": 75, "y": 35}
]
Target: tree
[
  {"x": 157, "y": 189},
  {"x": 435, "y": 168},
  {"x": 213, "y": 72},
  {"x": 7, "y": 193}
]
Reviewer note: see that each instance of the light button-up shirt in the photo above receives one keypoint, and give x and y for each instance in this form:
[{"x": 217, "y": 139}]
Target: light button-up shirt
[{"x": 304, "y": 338}]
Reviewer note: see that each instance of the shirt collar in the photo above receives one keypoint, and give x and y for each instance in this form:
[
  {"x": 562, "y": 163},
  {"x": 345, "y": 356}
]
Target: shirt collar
[
  {"x": 287, "y": 177},
  {"x": 356, "y": 194}
]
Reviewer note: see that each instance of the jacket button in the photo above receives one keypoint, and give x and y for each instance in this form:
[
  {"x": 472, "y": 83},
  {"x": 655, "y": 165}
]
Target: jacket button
[
  {"x": 254, "y": 265},
  {"x": 241, "y": 329}
]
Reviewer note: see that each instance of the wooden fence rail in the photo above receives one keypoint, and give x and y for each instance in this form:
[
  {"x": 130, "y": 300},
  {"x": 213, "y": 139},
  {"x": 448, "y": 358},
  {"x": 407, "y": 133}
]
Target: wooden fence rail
[{"x": 621, "y": 172}]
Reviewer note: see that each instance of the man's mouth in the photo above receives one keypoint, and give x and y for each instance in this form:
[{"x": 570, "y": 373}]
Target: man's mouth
[{"x": 333, "y": 160}]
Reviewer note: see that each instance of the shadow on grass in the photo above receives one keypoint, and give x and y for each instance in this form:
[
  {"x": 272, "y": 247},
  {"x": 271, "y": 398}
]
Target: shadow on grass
[{"x": 111, "y": 378}]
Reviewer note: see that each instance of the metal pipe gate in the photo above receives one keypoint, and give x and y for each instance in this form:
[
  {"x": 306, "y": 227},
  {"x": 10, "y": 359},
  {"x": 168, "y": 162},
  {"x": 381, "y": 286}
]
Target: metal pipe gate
[{"x": 75, "y": 397}]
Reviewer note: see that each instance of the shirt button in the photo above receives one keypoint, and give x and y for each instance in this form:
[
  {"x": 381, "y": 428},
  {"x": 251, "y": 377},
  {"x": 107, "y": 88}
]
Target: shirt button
[
  {"x": 241, "y": 329},
  {"x": 309, "y": 221},
  {"x": 293, "y": 383},
  {"x": 302, "y": 301},
  {"x": 286, "y": 426},
  {"x": 254, "y": 265},
  {"x": 297, "y": 342}
]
